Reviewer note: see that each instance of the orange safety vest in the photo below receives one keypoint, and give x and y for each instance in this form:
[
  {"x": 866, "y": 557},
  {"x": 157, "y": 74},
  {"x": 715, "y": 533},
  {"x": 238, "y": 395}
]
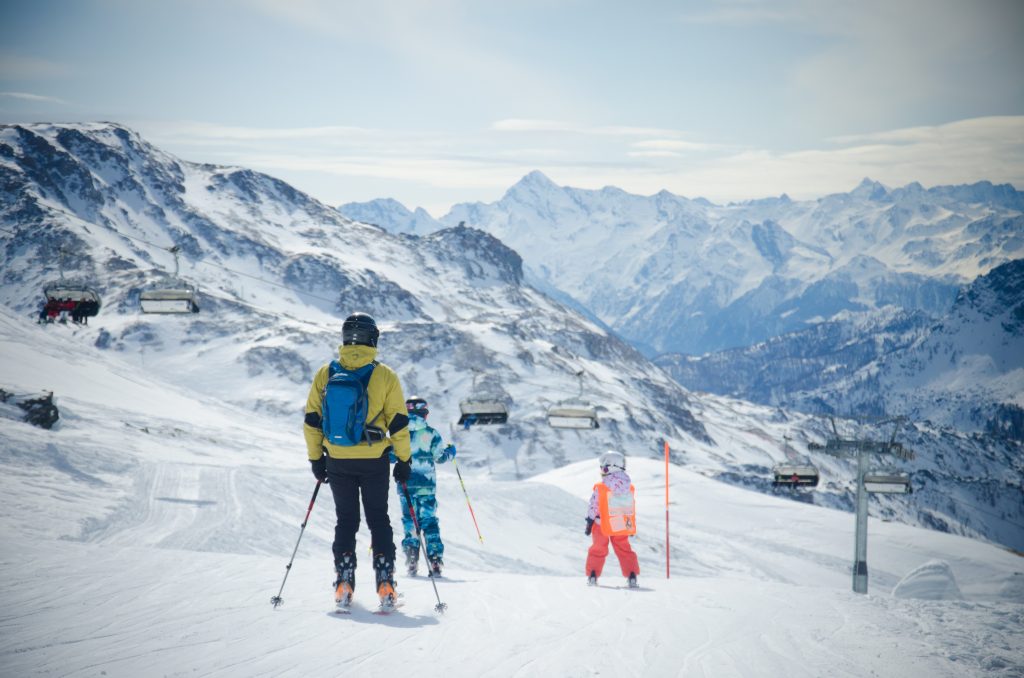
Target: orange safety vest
[{"x": 617, "y": 511}]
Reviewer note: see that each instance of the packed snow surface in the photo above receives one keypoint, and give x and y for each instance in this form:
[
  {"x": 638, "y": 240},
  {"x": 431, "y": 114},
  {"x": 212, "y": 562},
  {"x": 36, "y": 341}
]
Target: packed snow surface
[{"x": 146, "y": 534}]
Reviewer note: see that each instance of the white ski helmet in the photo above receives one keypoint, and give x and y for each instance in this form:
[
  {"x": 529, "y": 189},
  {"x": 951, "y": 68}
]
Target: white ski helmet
[{"x": 612, "y": 461}]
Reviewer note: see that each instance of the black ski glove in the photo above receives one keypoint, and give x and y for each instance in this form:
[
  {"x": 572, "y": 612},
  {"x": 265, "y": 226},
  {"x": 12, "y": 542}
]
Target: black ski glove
[
  {"x": 402, "y": 471},
  {"x": 319, "y": 468},
  {"x": 590, "y": 526}
]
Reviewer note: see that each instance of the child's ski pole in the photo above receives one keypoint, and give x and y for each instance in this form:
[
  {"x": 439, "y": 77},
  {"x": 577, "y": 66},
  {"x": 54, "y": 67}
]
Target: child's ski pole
[
  {"x": 470, "y": 505},
  {"x": 440, "y": 607}
]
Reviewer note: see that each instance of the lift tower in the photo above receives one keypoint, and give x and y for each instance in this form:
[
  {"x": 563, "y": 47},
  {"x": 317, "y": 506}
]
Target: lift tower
[{"x": 885, "y": 480}]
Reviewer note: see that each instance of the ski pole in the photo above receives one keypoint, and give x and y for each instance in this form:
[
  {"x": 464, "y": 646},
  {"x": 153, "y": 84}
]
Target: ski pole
[
  {"x": 471, "y": 514},
  {"x": 440, "y": 607},
  {"x": 277, "y": 600}
]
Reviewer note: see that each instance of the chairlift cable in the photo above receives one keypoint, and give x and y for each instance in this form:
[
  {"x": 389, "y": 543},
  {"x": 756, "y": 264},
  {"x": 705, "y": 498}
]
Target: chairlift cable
[{"x": 200, "y": 261}]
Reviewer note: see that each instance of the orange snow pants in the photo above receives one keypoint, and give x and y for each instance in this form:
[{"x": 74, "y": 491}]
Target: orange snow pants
[{"x": 599, "y": 551}]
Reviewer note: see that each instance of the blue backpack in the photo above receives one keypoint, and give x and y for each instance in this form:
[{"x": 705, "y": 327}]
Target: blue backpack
[{"x": 345, "y": 404}]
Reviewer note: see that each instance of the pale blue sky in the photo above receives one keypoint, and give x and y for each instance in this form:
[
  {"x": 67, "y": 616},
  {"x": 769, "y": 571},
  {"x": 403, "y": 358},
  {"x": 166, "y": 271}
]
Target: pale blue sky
[{"x": 447, "y": 101}]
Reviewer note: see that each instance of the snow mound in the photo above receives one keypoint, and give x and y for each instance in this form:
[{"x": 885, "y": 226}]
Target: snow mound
[
  {"x": 1013, "y": 589},
  {"x": 932, "y": 581}
]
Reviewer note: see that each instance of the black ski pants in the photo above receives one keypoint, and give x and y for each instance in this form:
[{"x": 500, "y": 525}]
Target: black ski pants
[{"x": 347, "y": 478}]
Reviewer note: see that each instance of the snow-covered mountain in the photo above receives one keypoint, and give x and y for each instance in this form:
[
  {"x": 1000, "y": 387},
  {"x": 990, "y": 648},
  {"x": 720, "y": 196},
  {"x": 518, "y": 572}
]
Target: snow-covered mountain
[
  {"x": 391, "y": 215},
  {"x": 965, "y": 370},
  {"x": 673, "y": 274},
  {"x": 277, "y": 271},
  {"x": 807, "y": 360}
]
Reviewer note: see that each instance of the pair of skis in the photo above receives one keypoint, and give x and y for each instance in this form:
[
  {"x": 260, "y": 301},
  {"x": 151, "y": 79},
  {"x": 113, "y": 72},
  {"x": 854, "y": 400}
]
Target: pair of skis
[
  {"x": 277, "y": 600},
  {"x": 385, "y": 608}
]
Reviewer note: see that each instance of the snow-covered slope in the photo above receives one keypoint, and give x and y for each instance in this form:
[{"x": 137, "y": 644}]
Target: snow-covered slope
[
  {"x": 278, "y": 271},
  {"x": 146, "y": 534}
]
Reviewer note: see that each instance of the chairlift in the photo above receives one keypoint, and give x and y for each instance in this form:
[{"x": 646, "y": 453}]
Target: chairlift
[
  {"x": 481, "y": 410},
  {"x": 170, "y": 296},
  {"x": 795, "y": 474},
  {"x": 85, "y": 297},
  {"x": 78, "y": 292},
  {"x": 573, "y": 414},
  {"x": 887, "y": 481}
]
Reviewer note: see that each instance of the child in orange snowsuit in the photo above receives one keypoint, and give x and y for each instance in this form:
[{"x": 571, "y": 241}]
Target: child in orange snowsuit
[{"x": 612, "y": 517}]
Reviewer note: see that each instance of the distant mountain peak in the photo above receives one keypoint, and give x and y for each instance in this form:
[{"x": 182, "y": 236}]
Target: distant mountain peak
[
  {"x": 533, "y": 181},
  {"x": 871, "y": 189}
]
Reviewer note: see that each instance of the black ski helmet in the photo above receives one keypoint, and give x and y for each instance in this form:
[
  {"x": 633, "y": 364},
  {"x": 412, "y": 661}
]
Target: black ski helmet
[
  {"x": 359, "y": 329},
  {"x": 417, "y": 405}
]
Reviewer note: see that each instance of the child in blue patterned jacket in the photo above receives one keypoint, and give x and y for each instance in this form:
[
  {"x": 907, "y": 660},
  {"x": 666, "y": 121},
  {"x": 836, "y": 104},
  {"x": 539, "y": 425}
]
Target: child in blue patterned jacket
[{"x": 427, "y": 451}]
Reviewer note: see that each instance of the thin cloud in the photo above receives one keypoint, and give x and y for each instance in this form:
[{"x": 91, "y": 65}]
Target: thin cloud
[
  {"x": 653, "y": 154},
  {"x": 1005, "y": 128},
  {"x": 675, "y": 145},
  {"x": 534, "y": 125},
  {"x": 201, "y": 131},
  {"x": 37, "y": 98}
]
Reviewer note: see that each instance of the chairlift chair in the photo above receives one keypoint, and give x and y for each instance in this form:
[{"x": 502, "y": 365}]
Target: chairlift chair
[
  {"x": 171, "y": 296},
  {"x": 577, "y": 416},
  {"x": 573, "y": 414},
  {"x": 795, "y": 474},
  {"x": 482, "y": 412},
  {"x": 176, "y": 297},
  {"x": 887, "y": 481},
  {"x": 87, "y": 297}
]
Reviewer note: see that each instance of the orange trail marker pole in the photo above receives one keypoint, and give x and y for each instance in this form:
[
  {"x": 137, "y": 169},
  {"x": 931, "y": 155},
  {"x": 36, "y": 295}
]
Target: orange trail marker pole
[{"x": 667, "y": 550}]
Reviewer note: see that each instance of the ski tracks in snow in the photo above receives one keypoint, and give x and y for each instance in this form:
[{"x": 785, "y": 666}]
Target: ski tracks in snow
[{"x": 208, "y": 508}]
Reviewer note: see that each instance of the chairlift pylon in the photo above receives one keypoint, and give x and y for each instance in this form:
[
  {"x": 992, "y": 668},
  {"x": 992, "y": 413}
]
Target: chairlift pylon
[
  {"x": 170, "y": 296},
  {"x": 573, "y": 414}
]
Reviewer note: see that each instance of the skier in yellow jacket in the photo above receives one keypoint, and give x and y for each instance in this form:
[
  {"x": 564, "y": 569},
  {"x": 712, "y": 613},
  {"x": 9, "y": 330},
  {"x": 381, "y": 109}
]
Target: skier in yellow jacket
[{"x": 360, "y": 468}]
